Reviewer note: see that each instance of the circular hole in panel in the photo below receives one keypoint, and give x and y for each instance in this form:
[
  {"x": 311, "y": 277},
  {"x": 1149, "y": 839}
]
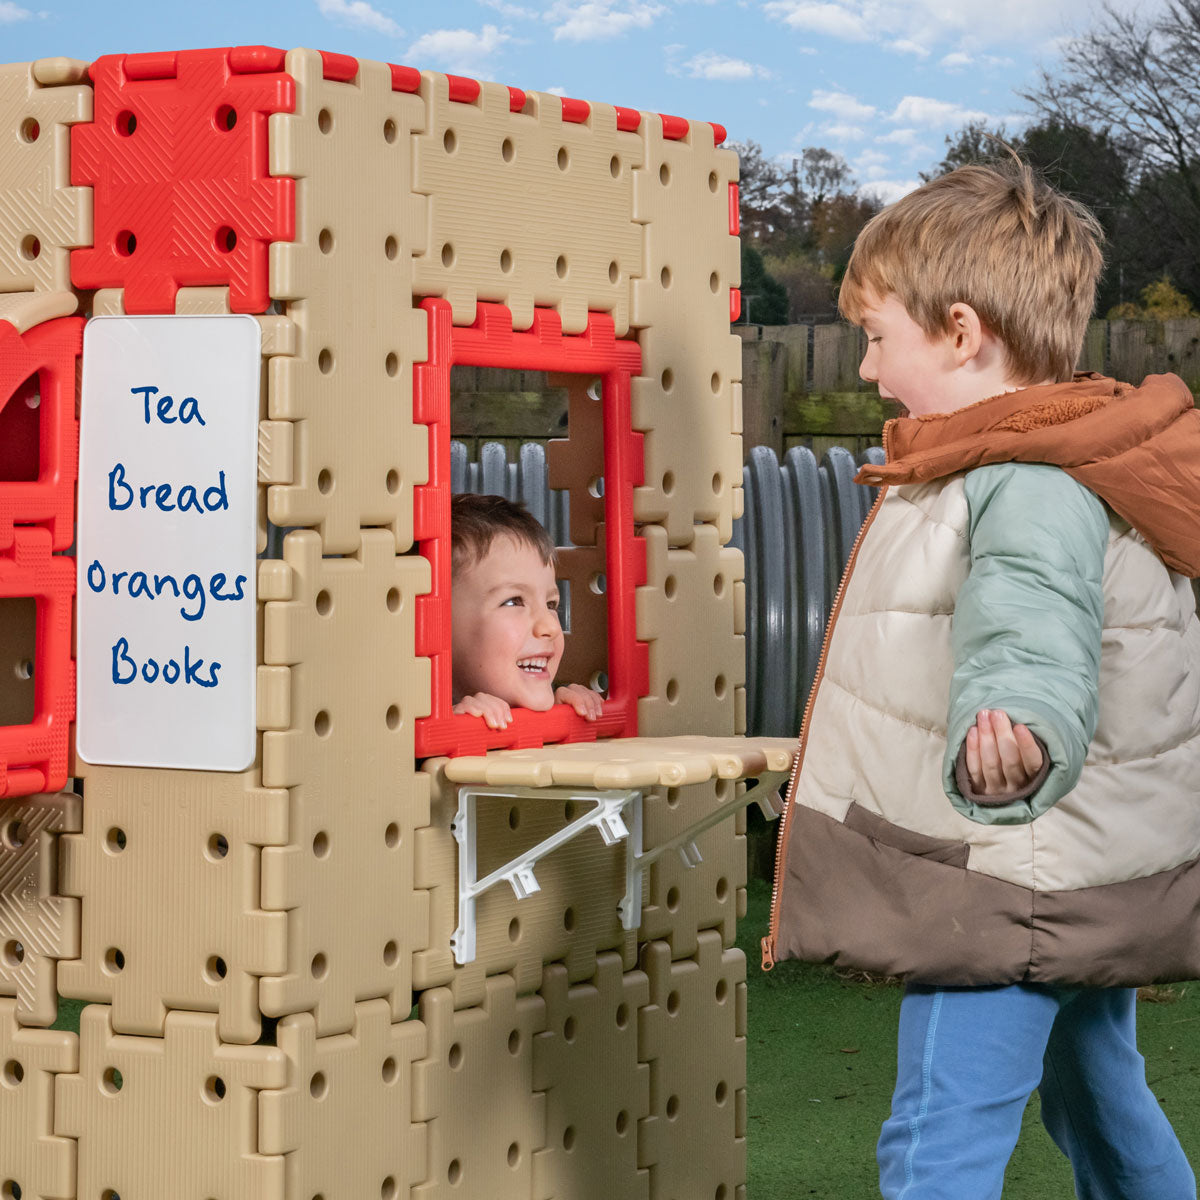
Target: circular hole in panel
[
  {"x": 447, "y": 255},
  {"x": 391, "y": 836},
  {"x": 514, "y": 930},
  {"x": 715, "y": 382},
  {"x": 569, "y": 1029},
  {"x": 614, "y": 167},
  {"x": 670, "y": 587},
  {"x": 506, "y": 261},
  {"x": 714, "y": 282},
  {"x": 713, "y": 181},
  {"x": 514, "y": 1155},
  {"x": 324, "y": 481},
  {"x": 319, "y": 966},
  {"x": 672, "y": 797},
  {"x": 389, "y": 131},
  {"x": 126, "y": 122},
  {"x": 114, "y": 960},
  {"x": 665, "y": 277},
  {"x": 568, "y": 1138},
  {"x": 391, "y": 364},
  {"x": 569, "y": 810},
  {"x": 598, "y": 583},
  {"x": 322, "y": 723},
  {"x": 672, "y": 691},
  {"x": 514, "y": 817},
  {"x": 391, "y": 954},
  {"x": 560, "y": 266},
  {"x": 392, "y": 481},
  {"x": 318, "y": 1086},
  {"x": 215, "y": 969},
  {"x": 324, "y": 603},
  {"x": 391, "y": 247},
  {"x": 664, "y": 174},
  {"x": 668, "y": 379},
  {"x": 599, "y": 681},
  {"x": 717, "y": 484},
  {"x": 593, "y": 390},
  {"x": 112, "y": 1081},
  {"x": 622, "y": 1016},
  {"x": 14, "y": 834},
  {"x": 719, "y": 686},
  {"x": 13, "y": 1073},
  {"x": 673, "y": 899},
  {"x": 324, "y": 120},
  {"x": 393, "y": 600},
  {"x": 718, "y": 585},
  {"x": 614, "y": 272},
  {"x": 722, "y": 889},
  {"x": 115, "y": 840},
  {"x": 31, "y": 130},
  {"x": 514, "y": 1042},
  {"x": 596, "y": 487},
  {"x": 721, "y": 1193},
  {"x": 226, "y": 117},
  {"x": 450, "y": 141},
  {"x": 24, "y": 667},
  {"x": 507, "y": 151},
  {"x": 569, "y": 920},
  {"x": 125, "y": 243},
  {"x": 387, "y": 1189},
  {"x": 722, "y": 1092},
  {"x": 453, "y": 1172},
  {"x": 672, "y": 1107},
  {"x": 455, "y": 1057},
  {"x": 320, "y": 844},
  {"x": 563, "y": 158},
  {"x": 722, "y": 990},
  {"x": 723, "y": 789},
  {"x": 392, "y": 716},
  {"x": 217, "y": 846},
  {"x": 672, "y": 1003},
  {"x": 325, "y": 361},
  {"x": 389, "y": 1072},
  {"x": 622, "y": 1122},
  {"x": 31, "y": 247}
]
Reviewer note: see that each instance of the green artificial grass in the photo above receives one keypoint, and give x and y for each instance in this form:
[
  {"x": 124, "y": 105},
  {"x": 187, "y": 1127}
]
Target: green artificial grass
[{"x": 821, "y": 1062}]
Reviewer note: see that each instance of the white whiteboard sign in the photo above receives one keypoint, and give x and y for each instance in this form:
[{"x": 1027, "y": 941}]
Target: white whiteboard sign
[{"x": 166, "y": 542}]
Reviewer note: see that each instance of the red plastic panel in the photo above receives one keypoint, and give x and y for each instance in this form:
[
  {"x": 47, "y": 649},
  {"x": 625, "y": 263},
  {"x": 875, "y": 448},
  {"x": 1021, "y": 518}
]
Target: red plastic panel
[
  {"x": 33, "y": 757},
  {"x": 462, "y": 90},
  {"x": 341, "y": 68},
  {"x": 735, "y": 304},
  {"x": 516, "y": 99},
  {"x": 405, "y": 79},
  {"x": 719, "y": 133},
  {"x": 182, "y": 196},
  {"x": 675, "y": 129},
  {"x": 575, "y": 112},
  {"x": 491, "y": 342},
  {"x": 39, "y": 433},
  {"x": 735, "y": 212},
  {"x": 628, "y": 120}
]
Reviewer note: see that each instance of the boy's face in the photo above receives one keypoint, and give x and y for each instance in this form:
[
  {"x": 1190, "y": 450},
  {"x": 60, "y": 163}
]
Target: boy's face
[
  {"x": 506, "y": 637},
  {"x": 909, "y": 366}
]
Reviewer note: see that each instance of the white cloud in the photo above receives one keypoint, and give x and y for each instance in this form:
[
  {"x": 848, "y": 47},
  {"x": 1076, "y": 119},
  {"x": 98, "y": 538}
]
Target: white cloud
[
  {"x": 843, "y": 132},
  {"x": 841, "y": 104},
  {"x": 594, "y": 20},
  {"x": 955, "y": 61},
  {"x": 11, "y": 13},
  {"x": 361, "y": 14},
  {"x": 813, "y": 16},
  {"x": 888, "y": 191},
  {"x": 908, "y": 46},
  {"x": 460, "y": 51},
  {"x": 925, "y": 110},
  {"x": 901, "y": 137},
  {"x": 557, "y": 91},
  {"x": 514, "y": 12},
  {"x": 722, "y": 69}
]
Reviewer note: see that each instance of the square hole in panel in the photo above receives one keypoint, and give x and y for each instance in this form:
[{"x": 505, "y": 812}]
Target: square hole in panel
[
  {"x": 601, "y": 573},
  {"x": 18, "y": 652}
]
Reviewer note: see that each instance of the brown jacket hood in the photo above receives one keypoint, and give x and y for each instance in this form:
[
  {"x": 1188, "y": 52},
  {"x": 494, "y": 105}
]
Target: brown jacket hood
[{"x": 1137, "y": 448}]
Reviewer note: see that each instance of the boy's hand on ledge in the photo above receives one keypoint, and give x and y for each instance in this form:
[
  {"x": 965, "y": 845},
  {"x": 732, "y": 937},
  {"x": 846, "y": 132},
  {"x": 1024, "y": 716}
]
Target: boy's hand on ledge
[
  {"x": 1001, "y": 757},
  {"x": 495, "y": 712},
  {"x": 583, "y": 700}
]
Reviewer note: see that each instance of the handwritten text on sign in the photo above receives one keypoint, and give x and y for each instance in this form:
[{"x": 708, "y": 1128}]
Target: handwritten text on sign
[{"x": 166, "y": 541}]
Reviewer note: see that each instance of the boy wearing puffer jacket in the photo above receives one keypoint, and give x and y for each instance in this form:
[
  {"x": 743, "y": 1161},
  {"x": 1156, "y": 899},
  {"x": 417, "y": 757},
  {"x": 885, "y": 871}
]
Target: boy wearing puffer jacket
[{"x": 997, "y": 794}]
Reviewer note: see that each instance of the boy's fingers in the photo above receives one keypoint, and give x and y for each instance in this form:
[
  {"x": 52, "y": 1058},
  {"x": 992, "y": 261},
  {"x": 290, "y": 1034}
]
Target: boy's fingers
[
  {"x": 989, "y": 756},
  {"x": 974, "y": 770},
  {"x": 1031, "y": 752}
]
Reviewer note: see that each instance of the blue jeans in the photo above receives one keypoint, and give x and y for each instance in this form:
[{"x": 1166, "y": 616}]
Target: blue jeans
[{"x": 969, "y": 1059}]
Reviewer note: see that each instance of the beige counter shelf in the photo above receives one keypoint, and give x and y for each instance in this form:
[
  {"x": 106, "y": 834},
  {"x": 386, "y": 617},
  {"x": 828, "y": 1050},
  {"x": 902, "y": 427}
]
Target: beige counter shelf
[{"x": 610, "y": 777}]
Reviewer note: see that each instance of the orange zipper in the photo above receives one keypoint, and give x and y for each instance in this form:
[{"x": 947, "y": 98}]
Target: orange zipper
[{"x": 768, "y": 942}]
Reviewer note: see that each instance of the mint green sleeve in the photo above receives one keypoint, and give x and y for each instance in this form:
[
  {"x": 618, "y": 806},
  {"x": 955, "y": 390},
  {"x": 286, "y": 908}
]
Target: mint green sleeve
[{"x": 1027, "y": 623}]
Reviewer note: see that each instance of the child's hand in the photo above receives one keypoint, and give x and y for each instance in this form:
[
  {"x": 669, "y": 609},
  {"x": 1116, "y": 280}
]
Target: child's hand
[
  {"x": 1001, "y": 757},
  {"x": 583, "y": 700},
  {"x": 495, "y": 712}
]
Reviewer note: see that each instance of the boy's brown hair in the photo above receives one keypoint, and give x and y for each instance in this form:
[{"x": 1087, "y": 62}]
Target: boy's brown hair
[
  {"x": 476, "y": 522},
  {"x": 1024, "y": 256}
]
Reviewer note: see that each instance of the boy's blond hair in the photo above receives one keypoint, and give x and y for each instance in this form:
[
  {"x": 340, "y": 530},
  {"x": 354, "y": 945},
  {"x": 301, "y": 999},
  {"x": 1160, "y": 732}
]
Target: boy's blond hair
[{"x": 1024, "y": 256}]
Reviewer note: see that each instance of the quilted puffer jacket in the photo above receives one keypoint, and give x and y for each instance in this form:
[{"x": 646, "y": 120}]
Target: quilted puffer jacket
[{"x": 1027, "y": 554}]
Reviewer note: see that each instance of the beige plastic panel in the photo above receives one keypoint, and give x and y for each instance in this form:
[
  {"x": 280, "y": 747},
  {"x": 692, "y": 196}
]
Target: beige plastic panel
[
  {"x": 343, "y": 1120},
  {"x": 627, "y": 763},
  {"x": 685, "y": 395},
  {"x": 678, "y": 900},
  {"x": 687, "y": 612},
  {"x": 41, "y": 215},
  {"x": 475, "y": 1090},
  {"x": 596, "y": 1089},
  {"x": 572, "y": 918},
  {"x": 694, "y": 1139},
  {"x": 31, "y": 1157},
  {"x": 173, "y": 1116},
  {"x": 38, "y": 926},
  {"x": 348, "y": 284},
  {"x": 525, "y": 209},
  {"x": 168, "y": 866},
  {"x": 24, "y": 310},
  {"x": 352, "y": 691}
]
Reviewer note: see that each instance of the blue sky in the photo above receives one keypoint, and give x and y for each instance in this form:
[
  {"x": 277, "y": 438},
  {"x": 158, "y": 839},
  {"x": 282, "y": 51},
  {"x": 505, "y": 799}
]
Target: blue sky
[{"x": 880, "y": 82}]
